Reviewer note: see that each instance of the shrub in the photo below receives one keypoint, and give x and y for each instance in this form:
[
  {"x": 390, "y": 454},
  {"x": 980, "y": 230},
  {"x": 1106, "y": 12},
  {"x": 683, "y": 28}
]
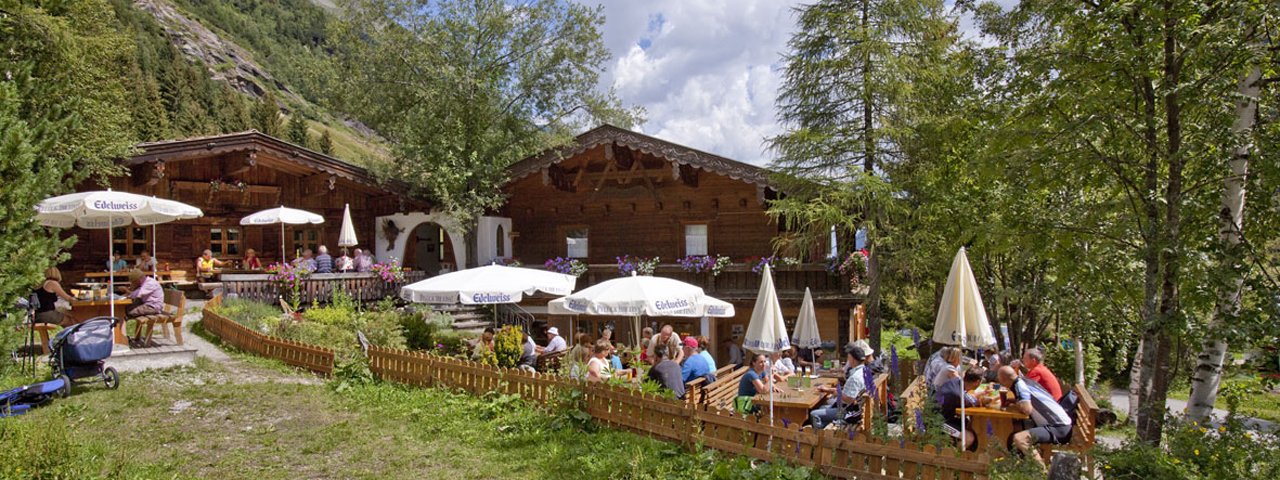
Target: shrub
[
  {"x": 508, "y": 345},
  {"x": 1062, "y": 362},
  {"x": 382, "y": 329},
  {"x": 338, "y": 317},
  {"x": 249, "y": 313},
  {"x": 422, "y": 330}
]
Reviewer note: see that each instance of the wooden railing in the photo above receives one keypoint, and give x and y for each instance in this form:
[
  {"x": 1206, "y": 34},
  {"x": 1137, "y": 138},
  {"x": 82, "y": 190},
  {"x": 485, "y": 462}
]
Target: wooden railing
[
  {"x": 738, "y": 281},
  {"x": 833, "y": 452},
  {"x": 310, "y": 357},
  {"x": 319, "y": 287}
]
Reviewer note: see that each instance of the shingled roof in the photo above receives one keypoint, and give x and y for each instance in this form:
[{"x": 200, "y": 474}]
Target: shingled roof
[{"x": 644, "y": 143}]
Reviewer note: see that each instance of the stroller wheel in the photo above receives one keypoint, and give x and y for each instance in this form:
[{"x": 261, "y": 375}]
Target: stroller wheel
[
  {"x": 111, "y": 377},
  {"x": 65, "y": 391}
]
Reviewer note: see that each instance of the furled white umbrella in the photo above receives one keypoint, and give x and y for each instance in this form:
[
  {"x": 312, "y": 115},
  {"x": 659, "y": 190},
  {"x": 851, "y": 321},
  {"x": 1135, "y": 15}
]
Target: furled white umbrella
[
  {"x": 806, "y": 335},
  {"x": 107, "y": 210},
  {"x": 639, "y": 295},
  {"x": 767, "y": 331},
  {"x": 282, "y": 215},
  {"x": 347, "y": 236},
  {"x": 962, "y": 320}
]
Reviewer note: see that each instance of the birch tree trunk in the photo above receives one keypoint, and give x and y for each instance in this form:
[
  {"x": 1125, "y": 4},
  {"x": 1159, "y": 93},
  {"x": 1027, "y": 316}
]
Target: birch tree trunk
[{"x": 1207, "y": 375}]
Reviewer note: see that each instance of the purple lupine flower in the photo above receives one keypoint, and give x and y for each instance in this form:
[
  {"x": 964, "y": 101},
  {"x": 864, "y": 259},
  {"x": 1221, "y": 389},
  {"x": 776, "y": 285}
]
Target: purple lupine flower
[
  {"x": 851, "y": 431},
  {"x": 870, "y": 380},
  {"x": 915, "y": 337},
  {"x": 991, "y": 431},
  {"x": 893, "y": 361},
  {"x": 786, "y": 423},
  {"x": 919, "y": 420}
]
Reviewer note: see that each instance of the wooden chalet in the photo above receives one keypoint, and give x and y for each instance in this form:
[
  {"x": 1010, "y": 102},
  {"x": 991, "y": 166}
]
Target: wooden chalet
[
  {"x": 615, "y": 192},
  {"x": 230, "y": 176}
]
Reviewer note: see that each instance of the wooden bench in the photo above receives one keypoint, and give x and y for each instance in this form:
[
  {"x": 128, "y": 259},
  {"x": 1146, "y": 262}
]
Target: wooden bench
[
  {"x": 695, "y": 390},
  {"x": 875, "y": 405},
  {"x": 1083, "y": 432},
  {"x": 720, "y": 394},
  {"x": 913, "y": 403},
  {"x": 43, "y": 329},
  {"x": 175, "y": 305},
  {"x": 549, "y": 361}
]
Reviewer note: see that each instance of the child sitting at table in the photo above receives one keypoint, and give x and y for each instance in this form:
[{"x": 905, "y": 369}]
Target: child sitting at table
[{"x": 949, "y": 394}]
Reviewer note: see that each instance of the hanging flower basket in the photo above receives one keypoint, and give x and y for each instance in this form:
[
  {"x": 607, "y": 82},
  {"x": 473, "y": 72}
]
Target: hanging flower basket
[
  {"x": 571, "y": 266},
  {"x": 640, "y": 265},
  {"x": 704, "y": 263}
]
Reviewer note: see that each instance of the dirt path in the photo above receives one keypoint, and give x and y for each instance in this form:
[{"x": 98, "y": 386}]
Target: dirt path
[{"x": 238, "y": 371}]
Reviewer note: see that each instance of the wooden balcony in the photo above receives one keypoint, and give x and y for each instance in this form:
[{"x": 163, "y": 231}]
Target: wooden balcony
[{"x": 738, "y": 283}]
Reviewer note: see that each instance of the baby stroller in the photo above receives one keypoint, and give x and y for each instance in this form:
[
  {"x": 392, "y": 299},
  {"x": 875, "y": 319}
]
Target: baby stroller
[{"x": 79, "y": 351}]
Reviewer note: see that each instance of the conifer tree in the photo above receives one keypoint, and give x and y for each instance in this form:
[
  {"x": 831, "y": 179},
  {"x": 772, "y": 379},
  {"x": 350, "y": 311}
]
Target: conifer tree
[
  {"x": 266, "y": 115},
  {"x": 297, "y": 132},
  {"x": 326, "y": 143}
]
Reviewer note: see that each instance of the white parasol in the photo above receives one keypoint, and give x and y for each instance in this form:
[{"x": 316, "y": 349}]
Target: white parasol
[
  {"x": 962, "y": 320},
  {"x": 347, "y": 236},
  {"x": 638, "y": 295},
  {"x": 806, "y": 335},
  {"x": 282, "y": 215},
  {"x": 767, "y": 332}
]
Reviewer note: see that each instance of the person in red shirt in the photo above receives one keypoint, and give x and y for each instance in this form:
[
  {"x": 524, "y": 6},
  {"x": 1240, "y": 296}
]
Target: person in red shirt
[{"x": 1033, "y": 361}]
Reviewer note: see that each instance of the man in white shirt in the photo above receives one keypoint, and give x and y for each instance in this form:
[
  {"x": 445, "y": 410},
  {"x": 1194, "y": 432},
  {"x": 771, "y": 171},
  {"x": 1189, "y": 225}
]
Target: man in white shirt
[
  {"x": 555, "y": 342},
  {"x": 668, "y": 337}
]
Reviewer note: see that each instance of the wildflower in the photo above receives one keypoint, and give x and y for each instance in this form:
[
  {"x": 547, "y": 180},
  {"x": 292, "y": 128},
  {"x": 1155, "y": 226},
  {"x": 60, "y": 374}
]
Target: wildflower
[
  {"x": 1222, "y": 429},
  {"x": 1108, "y": 467},
  {"x": 1176, "y": 461},
  {"x": 1202, "y": 430},
  {"x": 1196, "y": 451}
]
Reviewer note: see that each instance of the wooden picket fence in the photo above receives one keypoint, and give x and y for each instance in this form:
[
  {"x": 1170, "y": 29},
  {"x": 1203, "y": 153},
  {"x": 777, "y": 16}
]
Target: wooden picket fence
[
  {"x": 310, "y": 357},
  {"x": 831, "y": 452},
  {"x": 834, "y": 453}
]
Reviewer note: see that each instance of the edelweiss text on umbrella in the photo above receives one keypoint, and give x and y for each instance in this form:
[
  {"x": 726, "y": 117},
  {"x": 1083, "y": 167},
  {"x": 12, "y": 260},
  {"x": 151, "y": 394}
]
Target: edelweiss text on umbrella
[
  {"x": 110, "y": 205},
  {"x": 671, "y": 304},
  {"x": 491, "y": 298}
]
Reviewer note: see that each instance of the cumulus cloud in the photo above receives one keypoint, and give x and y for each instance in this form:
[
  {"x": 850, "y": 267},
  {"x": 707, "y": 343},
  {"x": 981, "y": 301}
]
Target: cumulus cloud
[{"x": 706, "y": 72}]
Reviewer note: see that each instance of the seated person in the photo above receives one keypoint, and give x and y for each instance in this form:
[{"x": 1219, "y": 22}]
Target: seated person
[
  {"x": 667, "y": 372},
  {"x": 809, "y": 359},
  {"x": 704, "y": 344},
  {"x": 145, "y": 262},
  {"x": 598, "y": 369},
  {"x": 116, "y": 263},
  {"x": 251, "y": 260},
  {"x": 528, "y": 354},
  {"x": 305, "y": 262},
  {"x": 1052, "y": 423},
  {"x": 935, "y": 364},
  {"x": 614, "y": 360},
  {"x": 951, "y": 367},
  {"x": 147, "y": 296},
  {"x": 781, "y": 367},
  {"x": 324, "y": 262},
  {"x": 48, "y": 293},
  {"x": 345, "y": 263},
  {"x": 948, "y": 396},
  {"x": 667, "y": 336},
  {"x": 483, "y": 345},
  {"x": 694, "y": 365},
  {"x": 363, "y": 261},
  {"x": 1033, "y": 361},
  {"x": 854, "y": 385},
  {"x": 205, "y": 264},
  {"x": 753, "y": 383},
  {"x": 555, "y": 342}
]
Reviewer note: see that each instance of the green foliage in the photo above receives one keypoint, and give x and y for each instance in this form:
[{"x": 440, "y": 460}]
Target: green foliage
[
  {"x": 266, "y": 116},
  {"x": 506, "y": 81},
  {"x": 1193, "y": 451},
  {"x": 326, "y": 143},
  {"x": 508, "y": 345},
  {"x": 42, "y": 446},
  {"x": 423, "y": 331},
  {"x": 259, "y": 316},
  {"x": 297, "y": 131},
  {"x": 332, "y": 326},
  {"x": 1062, "y": 362}
]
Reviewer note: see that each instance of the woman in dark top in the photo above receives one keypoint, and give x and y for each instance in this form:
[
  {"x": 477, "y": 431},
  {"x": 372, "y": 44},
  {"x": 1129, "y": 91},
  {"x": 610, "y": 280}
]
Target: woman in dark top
[{"x": 48, "y": 294}]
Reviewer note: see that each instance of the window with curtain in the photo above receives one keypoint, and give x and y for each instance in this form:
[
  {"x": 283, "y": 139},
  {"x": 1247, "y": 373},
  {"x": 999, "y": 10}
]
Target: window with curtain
[
  {"x": 695, "y": 239},
  {"x": 224, "y": 241},
  {"x": 302, "y": 239}
]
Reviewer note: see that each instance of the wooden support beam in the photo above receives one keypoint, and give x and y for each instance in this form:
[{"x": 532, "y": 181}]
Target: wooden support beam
[
  {"x": 319, "y": 184},
  {"x": 242, "y": 163},
  {"x": 147, "y": 174}
]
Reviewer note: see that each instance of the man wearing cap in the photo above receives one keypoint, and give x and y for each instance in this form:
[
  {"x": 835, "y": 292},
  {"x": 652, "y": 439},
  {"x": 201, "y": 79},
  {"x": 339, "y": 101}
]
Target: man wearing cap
[
  {"x": 694, "y": 365},
  {"x": 854, "y": 384},
  {"x": 555, "y": 342}
]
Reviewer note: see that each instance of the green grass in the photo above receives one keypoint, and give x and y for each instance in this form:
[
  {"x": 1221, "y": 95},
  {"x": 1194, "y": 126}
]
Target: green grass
[
  {"x": 240, "y": 420},
  {"x": 1265, "y": 406}
]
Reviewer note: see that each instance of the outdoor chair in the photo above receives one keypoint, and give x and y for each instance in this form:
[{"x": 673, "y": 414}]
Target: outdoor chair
[{"x": 175, "y": 304}]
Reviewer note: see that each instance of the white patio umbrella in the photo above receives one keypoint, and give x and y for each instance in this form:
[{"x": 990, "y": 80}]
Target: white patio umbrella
[
  {"x": 347, "y": 236},
  {"x": 487, "y": 285},
  {"x": 639, "y": 295},
  {"x": 181, "y": 211},
  {"x": 767, "y": 331},
  {"x": 109, "y": 209},
  {"x": 282, "y": 215},
  {"x": 806, "y": 335},
  {"x": 962, "y": 320}
]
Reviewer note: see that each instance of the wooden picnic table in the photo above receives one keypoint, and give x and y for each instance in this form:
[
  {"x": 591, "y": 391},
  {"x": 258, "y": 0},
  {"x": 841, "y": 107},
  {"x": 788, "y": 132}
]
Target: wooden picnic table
[
  {"x": 1004, "y": 422},
  {"x": 82, "y": 310},
  {"x": 794, "y": 404}
]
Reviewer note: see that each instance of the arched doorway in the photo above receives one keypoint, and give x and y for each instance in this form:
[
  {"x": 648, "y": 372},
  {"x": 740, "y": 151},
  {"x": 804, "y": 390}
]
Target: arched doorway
[{"x": 429, "y": 249}]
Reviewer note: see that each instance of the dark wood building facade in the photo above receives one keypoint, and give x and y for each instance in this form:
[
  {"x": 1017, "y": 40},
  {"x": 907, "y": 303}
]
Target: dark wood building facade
[
  {"x": 615, "y": 192},
  {"x": 229, "y": 177}
]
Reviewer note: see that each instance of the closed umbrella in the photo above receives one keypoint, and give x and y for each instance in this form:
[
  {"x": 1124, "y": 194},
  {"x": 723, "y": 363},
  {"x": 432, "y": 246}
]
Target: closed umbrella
[
  {"x": 109, "y": 209},
  {"x": 638, "y": 295},
  {"x": 767, "y": 331},
  {"x": 347, "y": 236},
  {"x": 806, "y": 335},
  {"x": 962, "y": 319},
  {"x": 282, "y": 215}
]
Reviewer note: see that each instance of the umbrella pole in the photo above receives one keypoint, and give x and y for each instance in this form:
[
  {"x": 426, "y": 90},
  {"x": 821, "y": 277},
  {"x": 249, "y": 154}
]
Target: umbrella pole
[
  {"x": 155, "y": 265},
  {"x": 283, "y": 257},
  {"x": 111, "y": 266}
]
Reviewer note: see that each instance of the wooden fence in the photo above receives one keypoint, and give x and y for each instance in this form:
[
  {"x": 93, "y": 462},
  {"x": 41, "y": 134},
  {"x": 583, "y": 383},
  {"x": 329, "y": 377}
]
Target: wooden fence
[
  {"x": 832, "y": 452},
  {"x": 318, "y": 287},
  {"x": 310, "y": 357}
]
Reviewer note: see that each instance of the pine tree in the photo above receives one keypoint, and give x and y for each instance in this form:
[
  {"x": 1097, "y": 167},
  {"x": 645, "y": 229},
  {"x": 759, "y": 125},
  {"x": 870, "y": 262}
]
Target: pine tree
[
  {"x": 298, "y": 130},
  {"x": 266, "y": 115},
  {"x": 326, "y": 143}
]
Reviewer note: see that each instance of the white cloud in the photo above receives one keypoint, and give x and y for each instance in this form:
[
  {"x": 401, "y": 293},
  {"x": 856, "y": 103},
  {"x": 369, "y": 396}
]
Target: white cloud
[{"x": 706, "y": 72}]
